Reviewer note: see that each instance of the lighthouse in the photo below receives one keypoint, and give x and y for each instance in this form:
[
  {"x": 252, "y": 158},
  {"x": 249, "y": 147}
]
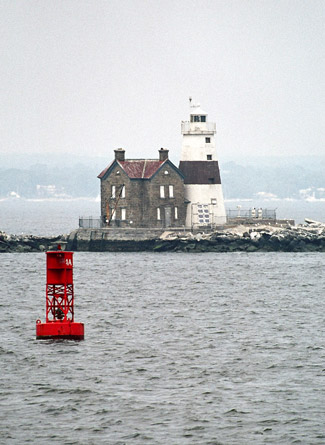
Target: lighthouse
[{"x": 200, "y": 167}]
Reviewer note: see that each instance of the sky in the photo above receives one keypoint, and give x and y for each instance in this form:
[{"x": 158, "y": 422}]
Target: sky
[{"x": 84, "y": 77}]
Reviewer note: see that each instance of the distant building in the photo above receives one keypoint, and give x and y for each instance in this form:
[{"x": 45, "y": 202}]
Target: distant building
[
  {"x": 142, "y": 192},
  {"x": 200, "y": 167}
]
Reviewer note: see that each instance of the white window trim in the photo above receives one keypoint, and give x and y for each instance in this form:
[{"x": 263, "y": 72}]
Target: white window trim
[
  {"x": 171, "y": 191},
  {"x": 176, "y": 212},
  {"x": 162, "y": 191},
  {"x": 113, "y": 191},
  {"x": 123, "y": 214},
  {"x": 123, "y": 192},
  {"x": 158, "y": 214}
]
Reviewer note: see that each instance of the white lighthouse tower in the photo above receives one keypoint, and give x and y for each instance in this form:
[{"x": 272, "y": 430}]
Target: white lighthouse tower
[{"x": 200, "y": 167}]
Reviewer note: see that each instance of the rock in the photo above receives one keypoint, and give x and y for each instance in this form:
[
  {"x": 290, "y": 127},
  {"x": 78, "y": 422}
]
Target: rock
[
  {"x": 314, "y": 223},
  {"x": 168, "y": 235},
  {"x": 229, "y": 239},
  {"x": 28, "y": 243}
]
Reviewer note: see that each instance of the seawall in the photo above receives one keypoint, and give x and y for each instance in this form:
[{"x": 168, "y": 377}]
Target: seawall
[{"x": 252, "y": 238}]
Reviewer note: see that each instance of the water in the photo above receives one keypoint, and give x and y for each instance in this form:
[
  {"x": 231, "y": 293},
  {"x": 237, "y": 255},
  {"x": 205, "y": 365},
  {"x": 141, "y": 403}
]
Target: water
[
  {"x": 44, "y": 217},
  {"x": 55, "y": 217},
  {"x": 179, "y": 349}
]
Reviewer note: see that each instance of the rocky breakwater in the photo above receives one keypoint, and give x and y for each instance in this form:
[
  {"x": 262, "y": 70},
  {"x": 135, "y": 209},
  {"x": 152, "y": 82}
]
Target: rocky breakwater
[
  {"x": 244, "y": 238},
  {"x": 306, "y": 238},
  {"x": 30, "y": 243}
]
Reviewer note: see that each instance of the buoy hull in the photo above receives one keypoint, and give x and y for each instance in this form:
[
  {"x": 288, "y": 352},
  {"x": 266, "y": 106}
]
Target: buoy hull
[{"x": 60, "y": 330}]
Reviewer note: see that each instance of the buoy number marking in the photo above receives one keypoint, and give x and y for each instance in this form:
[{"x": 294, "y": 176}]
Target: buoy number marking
[{"x": 68, "y": 262}]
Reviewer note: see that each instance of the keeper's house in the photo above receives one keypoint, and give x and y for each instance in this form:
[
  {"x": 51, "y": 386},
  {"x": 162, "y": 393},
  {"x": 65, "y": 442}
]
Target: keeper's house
[{"x": 142, "y": 192}]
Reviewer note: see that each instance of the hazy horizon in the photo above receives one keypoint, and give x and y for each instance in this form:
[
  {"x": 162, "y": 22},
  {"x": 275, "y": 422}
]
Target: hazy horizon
[
  {"x": 85, "y": 77},
  {"x": 28, "y": 160}
]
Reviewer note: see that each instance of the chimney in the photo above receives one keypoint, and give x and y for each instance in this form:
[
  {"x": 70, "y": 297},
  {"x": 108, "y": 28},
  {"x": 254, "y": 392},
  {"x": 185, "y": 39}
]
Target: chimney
[
  {"x": 119, "y": 154},
  {"x": 163, "y": 154}
]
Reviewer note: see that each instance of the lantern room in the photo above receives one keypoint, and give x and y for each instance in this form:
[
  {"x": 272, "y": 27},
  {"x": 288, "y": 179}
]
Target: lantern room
[{"x": 196, "y": 113}]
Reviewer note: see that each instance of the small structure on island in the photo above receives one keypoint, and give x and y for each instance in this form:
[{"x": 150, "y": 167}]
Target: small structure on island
[
  {"x": 154, "y": 193},
  {"x": 142, "y": 192},
  {"x": 60, "y": 322},
  {"x": 200, "y": 167}
]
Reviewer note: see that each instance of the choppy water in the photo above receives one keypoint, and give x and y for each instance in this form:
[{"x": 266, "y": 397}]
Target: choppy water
[
  {"x": 45, "y": 217},
  {"x": 179, "y": 349}
]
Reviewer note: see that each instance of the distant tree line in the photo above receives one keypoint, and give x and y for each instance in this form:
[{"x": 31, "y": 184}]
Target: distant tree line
[
  {"x": 75, "y": 181},
  {"x": 239, "y": 181},
  {"x": 282, "y": 181}
]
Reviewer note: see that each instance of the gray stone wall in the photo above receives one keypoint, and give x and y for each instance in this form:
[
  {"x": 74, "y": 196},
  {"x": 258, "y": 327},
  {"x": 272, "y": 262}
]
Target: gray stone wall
[
  {"x": 142, "y": 198},
  {"x": 131, "y": 203},
  {"x": 166, "y": 204}
]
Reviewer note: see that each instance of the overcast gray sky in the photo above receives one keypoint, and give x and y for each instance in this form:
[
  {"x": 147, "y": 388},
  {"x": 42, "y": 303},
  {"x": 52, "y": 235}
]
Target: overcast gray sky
[{"x": 88, "y": 76}]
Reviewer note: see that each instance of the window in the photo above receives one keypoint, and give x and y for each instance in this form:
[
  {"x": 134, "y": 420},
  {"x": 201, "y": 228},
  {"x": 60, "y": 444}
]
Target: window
[
  {"x": 211, "y": 180},
  {"x": 123, "y": 191},
  {"x": 198, "y": 118},
  {"x": 203, "y": 214},
  {"x": 162, "y": 191},
  {"x": 171, "y": 191},
  {"x": 207, "y": 140},
  {"x": 123, "y": 214},
  {"x": 158, "y": 213},
  {"x": 209, "y": 157},
  {"x": 166, "y": 172},
  {"x": 176, "y": 212},
  {"x": 113, "y": 191},
  {"x": 113, "y": 213}
]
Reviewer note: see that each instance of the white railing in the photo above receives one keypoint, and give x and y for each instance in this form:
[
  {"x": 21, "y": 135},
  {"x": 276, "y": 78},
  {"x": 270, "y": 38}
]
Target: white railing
[
  {"x": 90, "y": 223},
  {"x": 198, "y": 127}
]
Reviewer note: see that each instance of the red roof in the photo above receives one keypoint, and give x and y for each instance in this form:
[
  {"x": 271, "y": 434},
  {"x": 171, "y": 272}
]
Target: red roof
[
  {"x": 140, "y": 168},
  {"x": 137, "y": 168},
  {"x": 103, "y": 173}
]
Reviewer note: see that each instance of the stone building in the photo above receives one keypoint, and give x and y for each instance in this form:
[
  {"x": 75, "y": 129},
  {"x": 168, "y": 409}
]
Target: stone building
[{"x": 142, "y": 192}]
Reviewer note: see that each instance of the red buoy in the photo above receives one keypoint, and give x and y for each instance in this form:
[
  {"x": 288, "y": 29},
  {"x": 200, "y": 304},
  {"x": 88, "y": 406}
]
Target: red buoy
[{"x": 59, "y": 299}]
